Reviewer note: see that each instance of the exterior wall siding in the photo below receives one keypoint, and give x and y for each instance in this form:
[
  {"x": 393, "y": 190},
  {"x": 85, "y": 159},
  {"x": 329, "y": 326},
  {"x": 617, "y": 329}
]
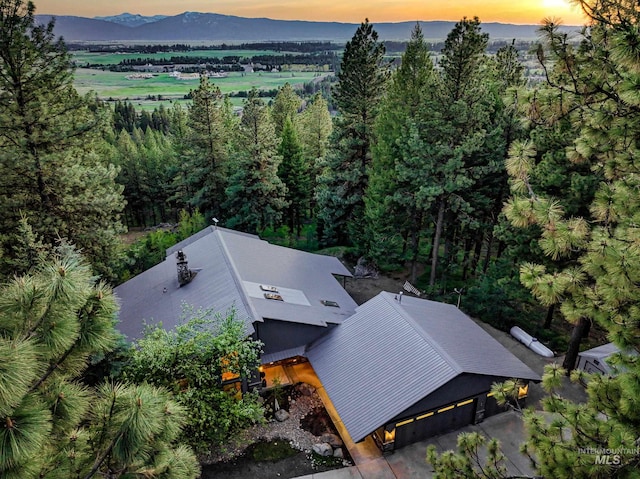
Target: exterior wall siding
[
  {"x": 462, "y": 401},
  {"x": 280, "y": 335}
]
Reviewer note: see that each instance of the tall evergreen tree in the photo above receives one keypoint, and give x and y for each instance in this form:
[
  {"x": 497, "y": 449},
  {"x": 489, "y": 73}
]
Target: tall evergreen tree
[
  {"x": 465, "y": 107},
  {"x": 394, "y": 210},
  {"x": 285, "y": 105},
  {"x": 182, "y": 190},
  {"x": 205, "y": 167},
  {"x": 502, "y": 79},
  {"x": 361, "y": 83},
  {"x": 49, "y": 171},
  {"x": 124, "y": 116},
  {"x": 255, "y": 195},
  {"x": 294, "y": 173},
  {"x": 51, "y": 321},
  {"x": 314, "y": 127}
]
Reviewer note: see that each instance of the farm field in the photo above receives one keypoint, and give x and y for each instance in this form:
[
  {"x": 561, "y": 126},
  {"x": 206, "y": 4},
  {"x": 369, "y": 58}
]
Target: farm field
[
  {"x": 83, "y": 58},
  {"x": 115, "y": 85}
]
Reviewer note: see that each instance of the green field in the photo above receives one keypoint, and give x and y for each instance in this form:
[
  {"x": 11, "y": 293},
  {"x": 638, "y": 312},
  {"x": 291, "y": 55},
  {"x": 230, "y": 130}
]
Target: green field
[
  {"x": 84, "y": 57},
  {"x": 115, "y": 85}
]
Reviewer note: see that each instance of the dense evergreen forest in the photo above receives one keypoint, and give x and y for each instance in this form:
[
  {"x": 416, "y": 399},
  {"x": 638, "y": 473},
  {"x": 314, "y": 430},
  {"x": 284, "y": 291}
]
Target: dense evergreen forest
[{"x": 520, "y": 199}]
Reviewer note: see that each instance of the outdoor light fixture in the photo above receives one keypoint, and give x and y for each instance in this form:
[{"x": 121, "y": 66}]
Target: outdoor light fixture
[{"x": 523, "y": 391}]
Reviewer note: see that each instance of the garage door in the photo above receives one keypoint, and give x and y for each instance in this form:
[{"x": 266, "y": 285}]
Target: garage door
[{"x": 432, "y": 423}]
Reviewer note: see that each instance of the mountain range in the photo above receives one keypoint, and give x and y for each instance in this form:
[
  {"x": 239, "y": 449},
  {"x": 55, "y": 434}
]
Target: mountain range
[
  {"x": 213, "y": 27},
  {"x": 131, "y": 20}
]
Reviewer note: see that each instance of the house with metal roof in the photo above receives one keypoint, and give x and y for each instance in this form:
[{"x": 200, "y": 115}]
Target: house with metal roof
[
  {"x": 398, "y": 368},
  {"x": 287, "y": 298},
  {"x": 404, "y": 369}
]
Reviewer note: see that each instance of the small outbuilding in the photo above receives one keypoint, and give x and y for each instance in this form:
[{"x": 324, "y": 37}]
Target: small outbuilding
[
  {"x": 404, "y": 369},
  {"x": 595, "y": 360}
]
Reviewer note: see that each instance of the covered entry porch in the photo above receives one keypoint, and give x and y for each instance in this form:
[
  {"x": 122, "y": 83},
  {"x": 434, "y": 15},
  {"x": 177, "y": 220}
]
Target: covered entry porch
[{"x": 301, "y": 371}]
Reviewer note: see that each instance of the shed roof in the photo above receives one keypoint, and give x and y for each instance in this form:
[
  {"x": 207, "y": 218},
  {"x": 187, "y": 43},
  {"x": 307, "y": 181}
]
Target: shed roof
[
  {"x": 600, "y": 352},
  {"x": 231, "y": 267},
  {"x": 390, "y": 355}
]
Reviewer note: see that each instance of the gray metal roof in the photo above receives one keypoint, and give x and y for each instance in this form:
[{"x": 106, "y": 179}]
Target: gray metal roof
[
  {"x": 390, "y": 355},
  {"x": 310, "y": 276},
  {"x": 604, "y": 351},
  {"x": 143, "y": 299},
  {"x": 230, "y": 266}
]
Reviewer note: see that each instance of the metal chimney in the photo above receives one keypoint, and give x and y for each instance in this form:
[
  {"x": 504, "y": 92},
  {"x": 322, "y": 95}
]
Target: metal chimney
[{"x": 185, "y": 275}]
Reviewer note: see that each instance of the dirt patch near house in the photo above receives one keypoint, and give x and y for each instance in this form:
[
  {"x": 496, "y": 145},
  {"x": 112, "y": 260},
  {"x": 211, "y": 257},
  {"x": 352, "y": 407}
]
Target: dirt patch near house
[
  {"x": 246, "y": 467},
  {"x": 249, "y": 454},
  {"x": 133, "y": 235},
  {"x": 362, "y": 290}
]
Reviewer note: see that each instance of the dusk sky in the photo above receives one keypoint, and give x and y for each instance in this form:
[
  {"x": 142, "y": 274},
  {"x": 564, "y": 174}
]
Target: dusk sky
[{"x": 506, "y": 11}]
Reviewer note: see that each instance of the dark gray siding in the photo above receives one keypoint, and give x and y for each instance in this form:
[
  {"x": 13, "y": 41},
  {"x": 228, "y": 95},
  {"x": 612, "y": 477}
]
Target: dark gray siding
[
  {"x": 458, "y": 403},
  {"x": 281, "y": 335},
  {"x": 438, "y": 423},
  {"x": 462, "y": 387}
]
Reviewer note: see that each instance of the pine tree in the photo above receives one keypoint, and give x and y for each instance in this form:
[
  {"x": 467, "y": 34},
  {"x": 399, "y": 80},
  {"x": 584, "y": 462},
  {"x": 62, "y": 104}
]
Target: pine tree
[
  {"x": 294, "y": 173},
  {"x": 393, "y": 208},
  {"x": 255, "y": 195},
  {"x": 503, "y": 76},
  {"x": 465, "y": 108},
  {"x": 344, "y": 177},
  {"x": 54, "y": 426},
  {"x": 49, "y": 169},
  {"x": 285, "y": 106},
  {"x": 124, "y": 116},
  {"x": 314, "y": 127},
  {"x": 206, "y": 165}
]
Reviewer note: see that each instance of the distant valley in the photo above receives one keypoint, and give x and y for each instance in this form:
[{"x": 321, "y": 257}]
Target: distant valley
[{"x": 213, "y": 27}]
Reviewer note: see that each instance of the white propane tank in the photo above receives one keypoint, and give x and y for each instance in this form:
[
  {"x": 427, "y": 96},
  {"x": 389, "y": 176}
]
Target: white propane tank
[{"x": 532, "y": 343}]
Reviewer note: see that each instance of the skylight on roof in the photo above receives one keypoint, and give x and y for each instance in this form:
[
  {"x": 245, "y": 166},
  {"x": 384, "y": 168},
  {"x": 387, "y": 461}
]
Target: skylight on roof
[
  {"x": 270, "y": 289},
  {"x": 273, "y": 296},
  {"x": 332, "y": 304}
]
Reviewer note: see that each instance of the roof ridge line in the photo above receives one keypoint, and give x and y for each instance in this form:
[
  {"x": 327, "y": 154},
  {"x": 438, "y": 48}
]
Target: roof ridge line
[
  {"x": 423, "y": 333},
  {"x": 236, "y": 276}
]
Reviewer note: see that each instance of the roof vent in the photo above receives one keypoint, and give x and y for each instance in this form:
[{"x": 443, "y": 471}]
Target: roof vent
[
  {"x": 185, "y": 275},
  {"x": 332, "y": 304}
]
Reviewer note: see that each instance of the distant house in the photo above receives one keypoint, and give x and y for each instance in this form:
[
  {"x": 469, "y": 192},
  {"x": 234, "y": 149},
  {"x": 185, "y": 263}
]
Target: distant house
[
  {"x": 404, "y": 369},
  {"x": 398, "y": 369}
]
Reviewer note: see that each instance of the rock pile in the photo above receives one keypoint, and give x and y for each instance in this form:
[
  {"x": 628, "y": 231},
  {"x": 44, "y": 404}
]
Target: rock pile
[{"x": 305, "y": 406}]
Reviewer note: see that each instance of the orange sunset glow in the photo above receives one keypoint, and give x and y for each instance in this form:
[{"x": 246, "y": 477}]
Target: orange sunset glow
[{"x": 505, "y": 11}]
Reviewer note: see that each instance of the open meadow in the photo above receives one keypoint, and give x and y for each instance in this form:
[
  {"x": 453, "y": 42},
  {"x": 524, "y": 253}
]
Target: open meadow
[
  {"x": 82, "y": 58},
  {"x": 162, "y": 87}
]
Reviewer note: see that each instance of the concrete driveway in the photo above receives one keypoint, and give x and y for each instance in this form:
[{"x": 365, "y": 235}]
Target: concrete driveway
[{"x": 410, "y": 462}]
